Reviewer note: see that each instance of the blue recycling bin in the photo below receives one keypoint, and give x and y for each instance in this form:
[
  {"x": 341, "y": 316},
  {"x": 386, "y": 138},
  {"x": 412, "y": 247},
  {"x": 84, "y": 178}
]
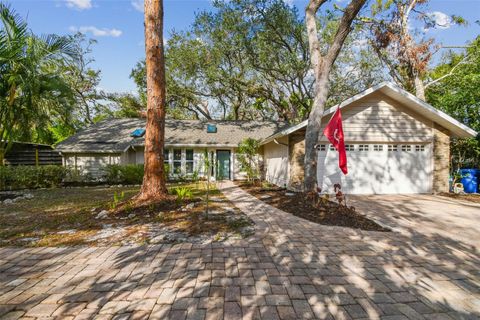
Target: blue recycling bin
[{"x": 470, "y": 180}]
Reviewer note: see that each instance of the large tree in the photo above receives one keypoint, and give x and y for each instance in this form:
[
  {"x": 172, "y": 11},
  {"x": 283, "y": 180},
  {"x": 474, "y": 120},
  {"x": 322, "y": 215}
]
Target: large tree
[
  {"x": 455, "y": 82},
  {"x": 249, "y": 59},
  {"x": 322, "y": 63},
  {"x": 32, "y": 89},
  {"x": 398, "y": 37},
  {"x": 154, "y": 187}
]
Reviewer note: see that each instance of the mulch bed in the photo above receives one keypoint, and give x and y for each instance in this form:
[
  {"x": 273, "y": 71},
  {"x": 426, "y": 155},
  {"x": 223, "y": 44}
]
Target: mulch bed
[
  {"x": 472, "y": 197},
  {"x": 330, "y": 214}
]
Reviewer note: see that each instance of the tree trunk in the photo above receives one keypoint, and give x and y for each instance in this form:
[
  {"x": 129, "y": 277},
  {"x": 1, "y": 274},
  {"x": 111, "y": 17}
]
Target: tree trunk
[
  {"x": 419, "y": 88},
  {"x": 322, "y": 65},
  {"x": 313, "y": 132},
  {"x": 153, "y": 187}
]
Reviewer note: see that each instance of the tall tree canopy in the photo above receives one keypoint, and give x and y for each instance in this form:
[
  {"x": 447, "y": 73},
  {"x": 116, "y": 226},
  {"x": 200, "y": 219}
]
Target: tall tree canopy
[
  {"x": 249, "y": 59},
  {"x": 454, "y": 89},
  {"x": 398, "y": 37}
]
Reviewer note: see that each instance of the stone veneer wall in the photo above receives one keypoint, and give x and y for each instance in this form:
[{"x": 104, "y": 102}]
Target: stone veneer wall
[
  {"x": 296, "y": 157},
  {"x": 441, "y": 159}
]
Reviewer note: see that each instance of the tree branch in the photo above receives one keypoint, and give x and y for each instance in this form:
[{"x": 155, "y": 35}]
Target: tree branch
[{"x": 463, "y": 61}]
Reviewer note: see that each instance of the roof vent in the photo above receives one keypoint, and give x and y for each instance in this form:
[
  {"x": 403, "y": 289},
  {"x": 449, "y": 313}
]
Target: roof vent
[
  {"x": 211, "y": 128},
  {"x": 137, "y": 133}
]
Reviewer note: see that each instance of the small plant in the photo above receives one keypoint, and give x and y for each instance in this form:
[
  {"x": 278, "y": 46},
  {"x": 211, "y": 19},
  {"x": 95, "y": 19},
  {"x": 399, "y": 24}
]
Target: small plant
[
  {"x": 339, "y": 194},
  {"x": 128, "y": 208},
  {"x": 248, "y": 158},
  {"x": 117, "y": 198},
  {"x": 183, "y": 193}
]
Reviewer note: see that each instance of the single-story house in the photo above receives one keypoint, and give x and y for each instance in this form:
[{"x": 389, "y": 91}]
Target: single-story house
[
  {"x": 396, "y": 143},
  {"x": 121, "y": 141}
]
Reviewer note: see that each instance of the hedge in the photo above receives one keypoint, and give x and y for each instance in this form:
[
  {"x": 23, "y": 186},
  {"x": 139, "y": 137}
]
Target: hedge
[
  {"x": 125, "y": 174},
  {"x": 31, "y": 177}
]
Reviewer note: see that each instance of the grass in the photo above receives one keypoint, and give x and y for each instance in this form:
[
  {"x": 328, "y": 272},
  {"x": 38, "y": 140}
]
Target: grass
[{"x": 66, "y": 217}]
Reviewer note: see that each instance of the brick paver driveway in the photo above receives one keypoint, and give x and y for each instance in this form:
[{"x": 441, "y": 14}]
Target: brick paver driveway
[
  {"x": 291, "y": 269},
  {"x": 432, "y": 215}
]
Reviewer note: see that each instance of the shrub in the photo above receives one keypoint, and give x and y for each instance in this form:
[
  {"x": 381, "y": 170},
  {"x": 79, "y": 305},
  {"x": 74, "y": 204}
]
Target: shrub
[
  {"x": 31, "y": 177},
  {"x": 117, "y": 198},
  {"x": 128, "y": 174},
  {"x": 183, "y": 193},
  {"x": 248, "y": 158}
]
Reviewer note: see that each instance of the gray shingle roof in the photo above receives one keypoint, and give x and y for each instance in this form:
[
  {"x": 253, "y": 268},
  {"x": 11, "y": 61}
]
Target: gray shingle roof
[{"x": 113, "y": 135}]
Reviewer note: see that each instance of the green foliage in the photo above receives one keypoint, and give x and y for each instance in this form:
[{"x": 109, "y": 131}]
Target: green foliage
[
  {"x": 33, "y": 91},
  {"x": 126, "y": 106},
  {"x": 455, "y": 91},
  {"x": 248, "y": 157},
  {"x": 183, "y": 193},
  {"x": 249, "y": 60},
  {"x": 117, "y": 198},
  {"x": 31, "y": 177},
  {"x": 125, "y": 174}
]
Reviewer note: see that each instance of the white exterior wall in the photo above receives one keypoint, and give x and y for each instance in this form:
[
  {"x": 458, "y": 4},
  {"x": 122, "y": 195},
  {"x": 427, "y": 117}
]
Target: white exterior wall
[
  {"x": 379, "y": 120},
  {"x": 91, "y": 163},
  {"x": 378, "y": 171},
  {"x": 276, "y": 161}
]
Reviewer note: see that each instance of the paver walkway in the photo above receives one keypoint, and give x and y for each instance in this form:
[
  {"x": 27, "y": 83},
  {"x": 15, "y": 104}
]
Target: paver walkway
[{"x": 291, "y": 269}]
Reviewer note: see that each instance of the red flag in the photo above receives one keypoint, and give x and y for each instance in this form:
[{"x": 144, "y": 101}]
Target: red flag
[{"x": 334, "y": 133}]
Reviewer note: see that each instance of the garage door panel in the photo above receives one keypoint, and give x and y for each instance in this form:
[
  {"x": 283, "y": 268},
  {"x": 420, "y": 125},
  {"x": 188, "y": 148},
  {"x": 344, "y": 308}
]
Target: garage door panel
[{"x": 378, "y": 172}]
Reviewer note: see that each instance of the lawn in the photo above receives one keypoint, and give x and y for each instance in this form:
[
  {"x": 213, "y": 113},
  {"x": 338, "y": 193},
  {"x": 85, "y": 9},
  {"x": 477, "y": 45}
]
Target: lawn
[{"x": 73, "y": 216}]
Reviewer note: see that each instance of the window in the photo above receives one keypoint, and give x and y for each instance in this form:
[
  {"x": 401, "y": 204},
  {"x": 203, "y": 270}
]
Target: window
[
  {"x": 406, "y": 147},
  {"x": 349, "y": 147},
  {"x": 332, "y": 148},
  {"x": 323, "y": 147},
  {"x": 189, "y": 161},
  {"x": 377, "y": 147},
  {"x": 420, "y": 148},
  {"x": 177, "y": 161},
  {"x": 363, "y": 147},
  {"x": 392, "y": 147}
]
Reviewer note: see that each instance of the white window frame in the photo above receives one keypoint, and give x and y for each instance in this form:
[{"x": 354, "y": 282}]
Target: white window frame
[
  {"x": 174, "y": 161},
  {"x": 363, "y": 147},
  {"x": 393, "y": 147},
  {"x": 419, "y": 148},
  {"x": 189, "y": 161},
  {"x": 406, "y": 148},
  {"x": 378, "y": 147}
]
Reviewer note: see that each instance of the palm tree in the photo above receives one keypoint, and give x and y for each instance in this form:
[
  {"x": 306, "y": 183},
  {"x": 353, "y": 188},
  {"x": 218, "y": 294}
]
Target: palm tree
[{"x": 30, "y": 85}]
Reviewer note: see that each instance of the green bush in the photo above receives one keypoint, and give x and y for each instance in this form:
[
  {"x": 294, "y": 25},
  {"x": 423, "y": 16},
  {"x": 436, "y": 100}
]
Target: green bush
[
  {"x": 183, "y": 193},
  {"x": 31, "y": 177},
  {"x": 127, "y": 174}
]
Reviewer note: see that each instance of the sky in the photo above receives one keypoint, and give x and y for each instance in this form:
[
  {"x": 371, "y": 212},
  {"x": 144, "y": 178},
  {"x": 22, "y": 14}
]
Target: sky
[{"x": 117, "y": 25}]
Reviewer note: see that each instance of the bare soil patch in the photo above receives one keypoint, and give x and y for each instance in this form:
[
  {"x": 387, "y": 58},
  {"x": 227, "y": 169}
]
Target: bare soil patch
[
  {"x": 472, "y": 197},
  {"x": 330, "y": 213},
  {"x": 85, "y": 216}
]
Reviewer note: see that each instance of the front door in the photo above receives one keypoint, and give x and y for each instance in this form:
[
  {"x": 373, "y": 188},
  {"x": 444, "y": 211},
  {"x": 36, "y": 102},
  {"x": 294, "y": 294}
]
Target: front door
[{"x": 223, "y": 164}]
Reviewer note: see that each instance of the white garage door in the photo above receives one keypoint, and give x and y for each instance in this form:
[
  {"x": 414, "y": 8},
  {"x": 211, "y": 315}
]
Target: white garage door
[{"x": 378, "y": 169}]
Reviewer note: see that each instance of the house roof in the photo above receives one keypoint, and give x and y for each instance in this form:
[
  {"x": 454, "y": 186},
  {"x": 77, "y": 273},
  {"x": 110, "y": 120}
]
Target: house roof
[
  {"x": 395, "y": 92},
  {"x": 113, "y": 135}
]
